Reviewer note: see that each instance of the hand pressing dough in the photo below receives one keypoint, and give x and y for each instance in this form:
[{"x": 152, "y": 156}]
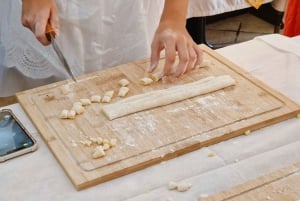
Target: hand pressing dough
[
  {"x": 123, "y": 82},
  {"x": 158, "y": 75},
  {"x": 166, "y": 96},
  {"x": 123, "y": 91}
]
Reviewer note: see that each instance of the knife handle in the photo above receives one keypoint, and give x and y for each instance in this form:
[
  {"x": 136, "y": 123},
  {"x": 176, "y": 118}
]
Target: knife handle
[{"x": 50, "y": 31}]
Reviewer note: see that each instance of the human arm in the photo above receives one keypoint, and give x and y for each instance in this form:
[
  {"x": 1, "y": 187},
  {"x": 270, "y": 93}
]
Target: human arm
[
  {"x": 172, "y": 36},
  {"x": 36, "y": 14}
]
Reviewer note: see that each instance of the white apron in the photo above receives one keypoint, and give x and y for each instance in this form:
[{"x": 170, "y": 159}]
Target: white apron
[{"x": 94, "y": 35}]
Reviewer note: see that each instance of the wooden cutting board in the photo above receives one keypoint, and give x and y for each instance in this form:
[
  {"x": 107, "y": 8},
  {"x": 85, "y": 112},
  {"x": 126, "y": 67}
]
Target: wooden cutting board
[
  {"x": 149, "y": 137},
  {"x": 280, "y": 185}
]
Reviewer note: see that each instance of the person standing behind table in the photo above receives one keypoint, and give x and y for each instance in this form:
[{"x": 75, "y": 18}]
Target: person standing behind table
[
  {"x": 171, "y": 34},
  {"x": 292, "y": 18}
]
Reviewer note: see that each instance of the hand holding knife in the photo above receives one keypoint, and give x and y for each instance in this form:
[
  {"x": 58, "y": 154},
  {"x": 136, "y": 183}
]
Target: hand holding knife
[{"x": 50, "y": 34}]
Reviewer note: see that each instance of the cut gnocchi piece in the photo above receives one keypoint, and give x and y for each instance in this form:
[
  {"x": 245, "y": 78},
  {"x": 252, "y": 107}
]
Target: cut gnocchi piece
[
  {"x": 205, "y": 63},
  {"x": 107, "y": 96},
  {"x": 64, "y": 114},
  {"x": 77, "y": 103},
  {"x": 156, "y": 76},
  {"x": 113, "y": 142},
  {"x": 105, "y": 141},
  {"x": 71, "y": 114},
  {"x": 180, "y": 187},
  {"x": 79, "y": 109},
  {"x": 123, "y": 82},
  {"x": 85, "y": 101},
  {"x": 184, "y": 186},
  {"x": 123, "y": 91},
  {"x": 96, "y": 99},
  {"x": 106, "y": 146},
  {"x": 172, "y": 185},
  {"x": 212, "y": 154},
  {"x": 247, "y": 132},
  {"x": 146, "y": 81},
  {"x": 98, "y": 152},
  {"x": 87, "y": 143}
]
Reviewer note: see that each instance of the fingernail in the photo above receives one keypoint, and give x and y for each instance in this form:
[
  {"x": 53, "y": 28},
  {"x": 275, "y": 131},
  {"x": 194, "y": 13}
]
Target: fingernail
[{"x": 152, "y": 66}]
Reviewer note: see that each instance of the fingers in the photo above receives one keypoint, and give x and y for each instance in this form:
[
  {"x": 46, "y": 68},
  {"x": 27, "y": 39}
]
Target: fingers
[
  {"x": 39, "y": 31},
  {"x": 190, "y": 57},
  {"x": 35, "y": 16},
  {"x": 189, "y": 53},
  {"x": 199, "y": 56},
  {"x": 155, "y": 55},
  {"x": 170, "y": 57},
  {"x": 54, "y": 20},
  {"x": 183, "y": 54}
]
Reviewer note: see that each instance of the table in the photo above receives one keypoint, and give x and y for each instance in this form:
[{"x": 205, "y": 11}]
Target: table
[
  {"x": 198, "y": 11},
  {"x": 272, "y": 58}
]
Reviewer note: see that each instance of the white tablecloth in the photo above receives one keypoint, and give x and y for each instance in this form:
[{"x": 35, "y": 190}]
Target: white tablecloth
[
  {"x": 274, "y": 59},
  {"x": 200, "y": 8}
]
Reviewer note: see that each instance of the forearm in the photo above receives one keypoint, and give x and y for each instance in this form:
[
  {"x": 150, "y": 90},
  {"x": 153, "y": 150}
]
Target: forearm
[{"x": 175, "y": 11}]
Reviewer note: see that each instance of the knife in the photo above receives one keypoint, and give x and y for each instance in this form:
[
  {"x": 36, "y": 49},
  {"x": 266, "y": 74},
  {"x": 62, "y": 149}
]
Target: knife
[{"x": 50, "y": 34}]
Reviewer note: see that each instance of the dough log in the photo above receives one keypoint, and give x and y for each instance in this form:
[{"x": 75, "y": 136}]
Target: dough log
[{"x": 166, "y": 96}]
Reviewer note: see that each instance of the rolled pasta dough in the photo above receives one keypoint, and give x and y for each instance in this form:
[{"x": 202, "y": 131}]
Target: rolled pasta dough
[{"x": 166, "y": 96}]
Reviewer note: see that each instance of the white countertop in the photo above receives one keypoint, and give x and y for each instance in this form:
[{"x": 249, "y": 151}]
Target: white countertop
[{"x": 274, "y": 59}]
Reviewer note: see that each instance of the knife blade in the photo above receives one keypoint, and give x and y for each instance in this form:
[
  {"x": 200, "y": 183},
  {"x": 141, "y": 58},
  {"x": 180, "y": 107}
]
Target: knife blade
[{"x": 50, "y": 34}]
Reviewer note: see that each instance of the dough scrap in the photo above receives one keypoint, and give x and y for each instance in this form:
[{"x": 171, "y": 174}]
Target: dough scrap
[
  {"x": 162, "y": 97},
  {"x": 182, "y": 187},
  {"x": 98, "y": 152},
  {"x": 172, "y": 185}
]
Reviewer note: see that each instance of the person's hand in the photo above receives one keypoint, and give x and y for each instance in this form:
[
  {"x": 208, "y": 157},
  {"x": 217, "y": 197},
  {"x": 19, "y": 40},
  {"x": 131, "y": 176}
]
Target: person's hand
[
  {"x": 36, "y": 14},
  {"x": 175, "y": 40}
]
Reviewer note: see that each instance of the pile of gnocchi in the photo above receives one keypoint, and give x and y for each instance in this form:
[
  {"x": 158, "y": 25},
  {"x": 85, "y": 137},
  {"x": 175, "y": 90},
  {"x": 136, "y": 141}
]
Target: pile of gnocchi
[
  {"x": 100, "y": 145},
  {"x": 79, "y": 106}
]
